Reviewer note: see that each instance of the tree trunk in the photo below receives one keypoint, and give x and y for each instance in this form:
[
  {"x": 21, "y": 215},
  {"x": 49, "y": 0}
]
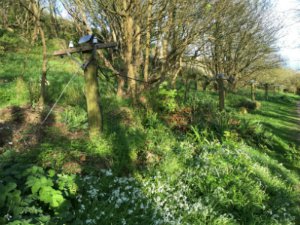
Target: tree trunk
[
  {"x": 187, "y": 89},
  {"x": 121, "y": 84},
  {"x": 204, "y": 85},
  {"x": 221, "y": 94},
  {"x": 53, "y": 17},
  {"x": 148, "y": 40},
  {"x": 44, "y": 69},
  {"x": 176, "y": 73},
  {"x": 129, "y": 56},
  {"x": 266, "y": 91}
]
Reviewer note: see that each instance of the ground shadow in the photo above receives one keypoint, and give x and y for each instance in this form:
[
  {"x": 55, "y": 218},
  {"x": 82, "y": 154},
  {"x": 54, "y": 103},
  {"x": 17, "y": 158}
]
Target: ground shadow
[{"x": 13, "y": 118}]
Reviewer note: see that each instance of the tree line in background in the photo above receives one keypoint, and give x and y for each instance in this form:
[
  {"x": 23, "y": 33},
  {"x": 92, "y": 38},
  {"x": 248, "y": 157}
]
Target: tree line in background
[{"x": 159, "y": 40}]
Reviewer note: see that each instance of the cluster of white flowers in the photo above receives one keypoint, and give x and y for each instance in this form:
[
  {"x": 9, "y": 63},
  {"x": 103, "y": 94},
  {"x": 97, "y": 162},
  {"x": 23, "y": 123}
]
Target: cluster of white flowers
[
  {"x": 112, "y": 198},
  {"x": 8, "y": 217},
  {"x": 160, "y": 200},
  {"x": 172, "y": 202}
]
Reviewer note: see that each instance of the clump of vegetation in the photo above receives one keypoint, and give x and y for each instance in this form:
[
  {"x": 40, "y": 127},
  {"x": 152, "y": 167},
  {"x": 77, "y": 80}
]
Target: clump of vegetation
[
  {"x": 162, "y": 150},
  {"x": 249, "y": 104},
  {"x": 75, "y": 118},
  {"x": 207, "y": 182}
]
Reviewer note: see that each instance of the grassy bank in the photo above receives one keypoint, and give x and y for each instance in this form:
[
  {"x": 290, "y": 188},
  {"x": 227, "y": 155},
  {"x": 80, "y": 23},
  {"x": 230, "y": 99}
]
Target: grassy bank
[{"x": 176, "y": 161}]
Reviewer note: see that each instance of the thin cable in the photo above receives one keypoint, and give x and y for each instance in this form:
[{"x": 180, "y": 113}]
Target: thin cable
[
  {"x": 75, "y": 60},
  {"x": 81, "y": 66},
  {"x": 57, "y": 100},
  {"x": 118, "y": 74}
]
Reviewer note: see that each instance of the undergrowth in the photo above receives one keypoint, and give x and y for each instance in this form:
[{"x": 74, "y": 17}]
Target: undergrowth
[{"x": 174, "y": 160}]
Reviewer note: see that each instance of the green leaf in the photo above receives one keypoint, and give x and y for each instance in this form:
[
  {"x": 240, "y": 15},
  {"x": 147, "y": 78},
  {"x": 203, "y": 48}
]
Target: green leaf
[
  {"x": 51, "y": 173},
  {"x": 4, "y": 190},
  {"x": 51, "y": 196},
  {"x": 37, "y": 183}
]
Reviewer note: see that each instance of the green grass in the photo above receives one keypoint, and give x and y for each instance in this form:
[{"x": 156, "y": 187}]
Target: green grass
[
  {"x": 143, "y": 170},
  {"x": 280, "y": 122},
  {"x": 28, "y": 64}
]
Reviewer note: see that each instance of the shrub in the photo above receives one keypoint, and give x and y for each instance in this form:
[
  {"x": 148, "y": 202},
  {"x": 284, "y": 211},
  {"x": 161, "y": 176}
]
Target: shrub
[
  {"x": 151, "y": 119},
  {"x": 221, "y": 123},
  {"x": 164, "y": 98},
  {"x": 249, "y": 104},
  {"x": 204, "y": 107},
  {"x": 31, "y": 195}
]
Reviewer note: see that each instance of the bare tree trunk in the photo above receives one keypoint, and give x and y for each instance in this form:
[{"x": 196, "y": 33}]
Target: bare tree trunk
[
  {"x": 266, "y": 91},
  {"x": 137, "y": 56},
  {"x": 187, "y": 89},
  {"x": 129, "y": 56},
  {"x": 121, "y": 84},
  {"x": 204, "y": 85},
  {"x": 176, "y": 73},
  {"x": 53, "y": 18},
  {"x": 148, "y": 40},
  {"x": 221, "y": 94},
  {"x": 44, "y": 69}
]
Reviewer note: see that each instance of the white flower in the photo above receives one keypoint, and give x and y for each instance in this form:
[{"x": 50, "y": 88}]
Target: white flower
[
  {"x": 90, "y": 221},
  {"x": 108, "y": 173},
  {"x": 8, "y": 217}
]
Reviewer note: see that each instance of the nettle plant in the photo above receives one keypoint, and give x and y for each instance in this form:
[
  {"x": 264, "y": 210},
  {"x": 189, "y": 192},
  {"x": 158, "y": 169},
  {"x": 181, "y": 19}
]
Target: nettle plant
[
  {"x": 34, "y": 196},
  {"x": 166, "y": 98}
]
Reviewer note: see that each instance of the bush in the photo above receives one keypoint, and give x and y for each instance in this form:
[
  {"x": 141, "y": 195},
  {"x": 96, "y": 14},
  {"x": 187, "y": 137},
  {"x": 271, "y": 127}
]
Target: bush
[
  {"x": 31, "y": 195},
  {"x": 151, "y": 119},
  {"x": 204, "y": 108},
  {"x": 249, "y": 104},
  {"x": 164, "y": 99},
  {"x": 221, "y": 123}
]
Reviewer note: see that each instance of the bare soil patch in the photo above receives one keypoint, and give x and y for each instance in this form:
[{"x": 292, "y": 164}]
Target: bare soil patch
[{"x": 21, "y": 127}]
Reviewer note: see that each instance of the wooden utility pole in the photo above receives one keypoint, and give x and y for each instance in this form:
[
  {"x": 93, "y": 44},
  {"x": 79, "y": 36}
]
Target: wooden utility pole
[
  {"x": 221, "y": 88},
  {"x": 91, "y": 82},
  {"x": 92, "y": 96}
]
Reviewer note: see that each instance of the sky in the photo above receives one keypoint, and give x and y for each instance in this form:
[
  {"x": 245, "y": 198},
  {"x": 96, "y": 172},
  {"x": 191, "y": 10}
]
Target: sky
[{"x": 289, "y": 42}]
